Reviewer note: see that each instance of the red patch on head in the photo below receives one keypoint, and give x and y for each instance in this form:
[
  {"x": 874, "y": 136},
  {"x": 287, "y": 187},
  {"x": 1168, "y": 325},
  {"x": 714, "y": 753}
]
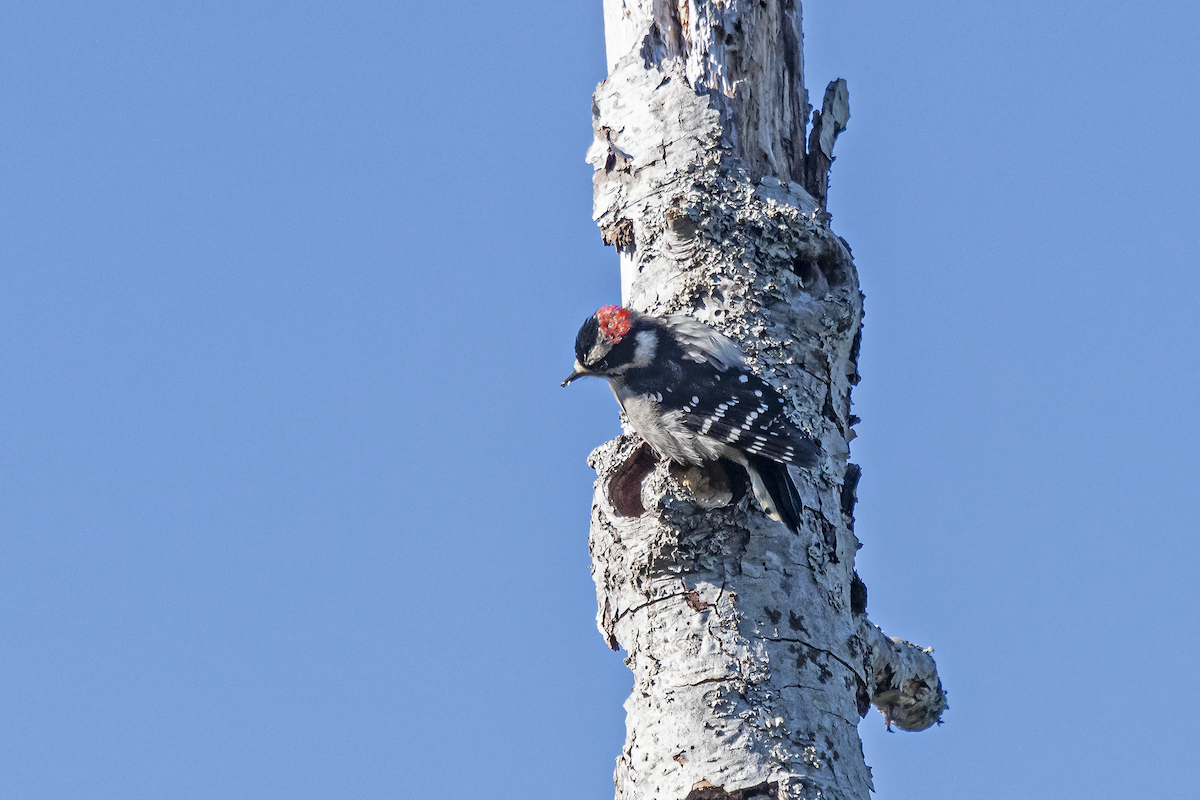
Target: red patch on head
[{"x": 614, "y": 322}]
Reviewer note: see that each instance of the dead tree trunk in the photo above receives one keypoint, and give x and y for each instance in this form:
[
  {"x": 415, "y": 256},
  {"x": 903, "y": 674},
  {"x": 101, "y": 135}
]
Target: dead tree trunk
[{"x": 752, "y": 655}]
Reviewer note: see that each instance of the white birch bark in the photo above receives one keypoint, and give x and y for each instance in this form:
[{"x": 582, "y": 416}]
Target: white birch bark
[{"x": 752, "y": 655}]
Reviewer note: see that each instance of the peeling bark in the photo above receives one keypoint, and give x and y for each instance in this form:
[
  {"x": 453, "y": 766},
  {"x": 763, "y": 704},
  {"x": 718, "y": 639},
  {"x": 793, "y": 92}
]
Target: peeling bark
[{"x": 752, "y": 655}]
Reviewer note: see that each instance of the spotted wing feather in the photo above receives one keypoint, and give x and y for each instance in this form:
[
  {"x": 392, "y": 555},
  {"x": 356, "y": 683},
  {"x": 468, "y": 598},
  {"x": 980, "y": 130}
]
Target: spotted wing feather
[{"x": 744, "y": 411}]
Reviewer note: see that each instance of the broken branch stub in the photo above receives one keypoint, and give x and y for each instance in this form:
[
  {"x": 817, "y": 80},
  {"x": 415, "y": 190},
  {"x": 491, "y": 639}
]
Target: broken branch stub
[{"x": 751, "y": 652}]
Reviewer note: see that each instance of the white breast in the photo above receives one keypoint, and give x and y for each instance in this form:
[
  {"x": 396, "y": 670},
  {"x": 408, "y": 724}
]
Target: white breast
[{"x": 667, "y": 434}]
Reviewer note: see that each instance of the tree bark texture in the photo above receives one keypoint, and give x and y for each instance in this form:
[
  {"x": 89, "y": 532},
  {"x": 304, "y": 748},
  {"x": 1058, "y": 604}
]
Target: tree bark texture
[{"x": 752, "y": 655}]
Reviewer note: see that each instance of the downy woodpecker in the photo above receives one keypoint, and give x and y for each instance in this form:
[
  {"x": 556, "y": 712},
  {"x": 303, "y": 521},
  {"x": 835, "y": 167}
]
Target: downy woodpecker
[{"x": 686, "y": 389}]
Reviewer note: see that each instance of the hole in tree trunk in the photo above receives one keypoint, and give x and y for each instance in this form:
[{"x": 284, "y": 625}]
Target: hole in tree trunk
[
  {"x": 833, "y": 269},
  {"x": 812, "y": 280},
  {"x": 625, "y": 486}
]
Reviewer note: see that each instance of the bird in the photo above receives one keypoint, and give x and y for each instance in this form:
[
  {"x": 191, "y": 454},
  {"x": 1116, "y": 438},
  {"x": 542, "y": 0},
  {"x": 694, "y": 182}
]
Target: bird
[{"x": 687, "y": 390}]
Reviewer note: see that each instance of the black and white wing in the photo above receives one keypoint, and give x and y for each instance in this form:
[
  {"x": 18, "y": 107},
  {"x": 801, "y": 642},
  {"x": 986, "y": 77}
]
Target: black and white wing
[{"x": 745, "y": 412}]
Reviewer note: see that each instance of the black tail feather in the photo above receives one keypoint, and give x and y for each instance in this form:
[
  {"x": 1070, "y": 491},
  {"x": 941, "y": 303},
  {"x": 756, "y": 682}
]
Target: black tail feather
[{"x": 784, "y": 495}]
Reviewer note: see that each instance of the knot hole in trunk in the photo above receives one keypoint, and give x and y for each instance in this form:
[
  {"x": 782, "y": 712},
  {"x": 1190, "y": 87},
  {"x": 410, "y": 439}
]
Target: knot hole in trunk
[
  {"x": 625, "y": 485},
  {"x": 821, "y": 264}
]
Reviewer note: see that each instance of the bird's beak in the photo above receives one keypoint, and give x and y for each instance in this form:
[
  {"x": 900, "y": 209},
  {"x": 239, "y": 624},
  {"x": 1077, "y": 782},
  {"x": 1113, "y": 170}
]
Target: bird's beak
[{"x": 579, "y": 372}]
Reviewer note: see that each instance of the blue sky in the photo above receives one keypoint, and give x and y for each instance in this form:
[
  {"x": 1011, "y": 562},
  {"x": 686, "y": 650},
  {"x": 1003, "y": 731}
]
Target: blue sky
[{"x": 291, "y": 503}]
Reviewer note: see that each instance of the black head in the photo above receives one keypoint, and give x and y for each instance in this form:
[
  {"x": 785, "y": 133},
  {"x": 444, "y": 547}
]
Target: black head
[
  {"x": 586, "y": 339},
  {"x": 604, "y": 342}
]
